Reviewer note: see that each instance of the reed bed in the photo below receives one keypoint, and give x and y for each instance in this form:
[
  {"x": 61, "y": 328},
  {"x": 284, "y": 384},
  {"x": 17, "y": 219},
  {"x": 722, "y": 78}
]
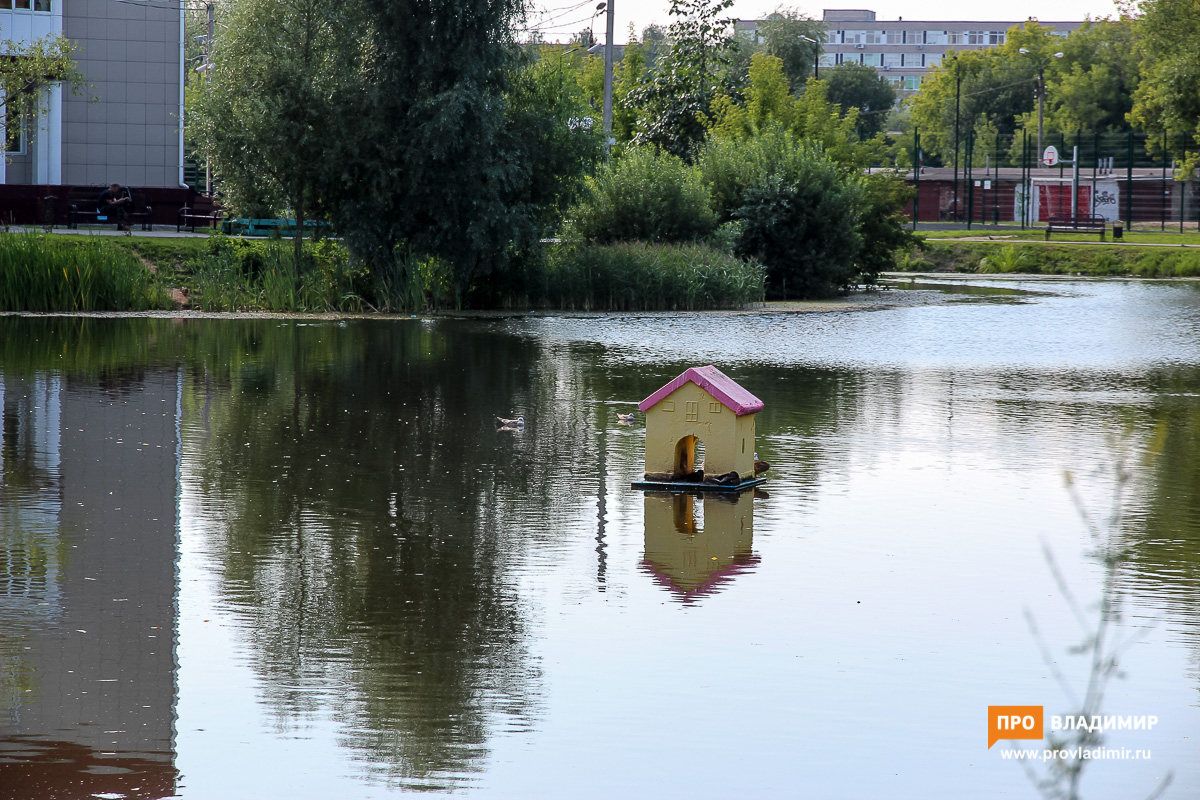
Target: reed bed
[
  {"x": 637, "y": 276},
  {"x": 38, "y": 273}
]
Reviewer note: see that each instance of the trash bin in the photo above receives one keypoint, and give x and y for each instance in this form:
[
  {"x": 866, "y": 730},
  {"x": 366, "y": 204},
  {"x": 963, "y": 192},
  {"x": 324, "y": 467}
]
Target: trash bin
[
  {"x": 49, "y": 211},
  {"x": 1118, "y": 231}
]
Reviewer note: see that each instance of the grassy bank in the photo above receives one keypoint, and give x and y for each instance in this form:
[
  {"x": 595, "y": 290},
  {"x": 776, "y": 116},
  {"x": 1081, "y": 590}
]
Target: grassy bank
[
  {"x": 228, "y": 274},
  {"x": 46, "y": 273},
  {"x": 1049, "y": 259}
]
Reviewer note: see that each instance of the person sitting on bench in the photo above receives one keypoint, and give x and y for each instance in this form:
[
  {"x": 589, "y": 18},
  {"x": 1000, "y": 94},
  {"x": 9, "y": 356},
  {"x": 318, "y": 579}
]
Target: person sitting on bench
[{"x": 117, "y": 202}]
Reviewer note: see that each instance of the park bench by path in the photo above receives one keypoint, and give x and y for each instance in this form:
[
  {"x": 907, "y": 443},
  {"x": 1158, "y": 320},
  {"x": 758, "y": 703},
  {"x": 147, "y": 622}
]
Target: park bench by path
[
  {"x": 204, "y": 210},
  {"x": 269, "y": 227},
  {"x": 83, "y": 205},
  {"x": 1085, "y": 223}
]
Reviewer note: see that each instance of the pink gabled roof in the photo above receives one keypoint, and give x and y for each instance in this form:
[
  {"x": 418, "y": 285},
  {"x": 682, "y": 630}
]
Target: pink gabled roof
[{"x": 716, "y": 383}]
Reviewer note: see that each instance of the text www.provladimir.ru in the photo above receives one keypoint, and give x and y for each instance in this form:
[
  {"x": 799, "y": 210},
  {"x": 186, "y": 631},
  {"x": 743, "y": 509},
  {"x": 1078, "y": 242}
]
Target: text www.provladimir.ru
[{"x": 1072, "y": 754}]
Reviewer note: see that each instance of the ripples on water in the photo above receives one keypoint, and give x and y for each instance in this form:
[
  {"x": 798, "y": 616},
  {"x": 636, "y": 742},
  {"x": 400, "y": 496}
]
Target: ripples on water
[{"x": 364, "y": 587}]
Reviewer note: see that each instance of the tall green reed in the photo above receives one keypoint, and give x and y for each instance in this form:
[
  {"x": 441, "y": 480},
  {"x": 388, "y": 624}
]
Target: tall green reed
[{"x": 40, "y": 273}]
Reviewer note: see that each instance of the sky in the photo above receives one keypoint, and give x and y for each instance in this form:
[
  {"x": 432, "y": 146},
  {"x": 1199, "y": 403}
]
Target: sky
[{"x": 560, "y": 21}]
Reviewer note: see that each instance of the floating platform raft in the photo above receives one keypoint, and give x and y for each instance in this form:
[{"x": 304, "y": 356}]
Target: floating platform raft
[{"x": 692, "y": 486}]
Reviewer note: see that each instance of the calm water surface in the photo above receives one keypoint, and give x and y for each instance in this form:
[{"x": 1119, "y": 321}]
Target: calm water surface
[{"x": 296, "y": 559}]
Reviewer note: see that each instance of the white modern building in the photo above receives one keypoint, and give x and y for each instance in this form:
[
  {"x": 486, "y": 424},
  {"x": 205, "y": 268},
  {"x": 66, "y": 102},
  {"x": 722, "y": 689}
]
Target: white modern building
[
  {"x": 124, "y": 123},
  {"x": 904, "y": 50}
]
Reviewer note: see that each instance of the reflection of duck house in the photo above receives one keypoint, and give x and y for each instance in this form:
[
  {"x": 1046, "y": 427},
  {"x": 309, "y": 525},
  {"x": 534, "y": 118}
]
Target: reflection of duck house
[
  {"x": 695, "y": 545},
  {"x": 701, "y": 405}
]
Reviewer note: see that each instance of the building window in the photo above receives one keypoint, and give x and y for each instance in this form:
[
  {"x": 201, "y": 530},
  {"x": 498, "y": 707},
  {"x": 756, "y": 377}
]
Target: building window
[
  {"x": 895, "y": 37},
  {"x": 956, "y": 37},
  {"x": 854, "y": 37},
  {"x": 714, "y": 408},
  {"x": 15, "y": 141},
  {"x": 936, "y": 37},
  {"x": 692, "y": 412},
  {"x": 893, "y": 59},
  {"x": 914, "y": 37},
  {"x": 895, "y": 80},
  {"x": 873, "y": 37},
  {"x": 668, "y": 405},
  {"x": 996, "y": 37},
  {"x": 872, "y": 59},
  {"x": 833, "y": 37},
  {"x": 932, "y": 60},
  {"x": 912, "y": 83},
  {"x": 828, "y": 59}
]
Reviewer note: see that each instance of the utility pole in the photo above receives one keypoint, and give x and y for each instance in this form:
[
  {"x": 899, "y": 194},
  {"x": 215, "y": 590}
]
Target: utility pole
[
  {"x": 608, "y": 75},
  {"x": 208, "y": 45},
  {"x": 957, "y": 95},
  {"x": 1041, "y": 93}
]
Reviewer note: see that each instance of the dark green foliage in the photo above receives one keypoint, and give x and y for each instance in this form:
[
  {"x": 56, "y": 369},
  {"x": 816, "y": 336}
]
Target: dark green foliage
[
  {"x": 636, "y": 276},
  {"x": 885, "y": 230},
  {"x": 646, "y": 196},
  {"x": 686, "y": 78},
  {"x": 804, "y": 229},
  {"x": 38, "y": 273},
  {"x": 783, "y": 33},
  {"x": 799, "y": 211},
  {"x": 859, "y": 86}
]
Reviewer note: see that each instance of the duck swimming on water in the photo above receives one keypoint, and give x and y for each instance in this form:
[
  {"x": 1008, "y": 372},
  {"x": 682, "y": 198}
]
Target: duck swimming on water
[
  {"x": 625, "y": 419},
  {"x": 519, "y": 422}
]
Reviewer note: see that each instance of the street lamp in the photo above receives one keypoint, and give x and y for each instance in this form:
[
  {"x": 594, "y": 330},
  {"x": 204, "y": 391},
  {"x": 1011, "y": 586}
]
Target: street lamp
[
  {"x": 1041, "y": 68},
  {"x": 816, "y": 55},
  {"x": 957, "y": 96}
]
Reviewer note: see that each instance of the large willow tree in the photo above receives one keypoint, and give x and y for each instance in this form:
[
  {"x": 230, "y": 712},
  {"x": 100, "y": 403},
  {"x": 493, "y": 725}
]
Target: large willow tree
[{"x": 414, "y": 125}]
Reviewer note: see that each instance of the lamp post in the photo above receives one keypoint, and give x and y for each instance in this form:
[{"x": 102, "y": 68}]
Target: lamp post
[
  {"x": 957, "y": 96},
  {"x": 1041, "y": 68},
  {"x": 816, "y": 56}
]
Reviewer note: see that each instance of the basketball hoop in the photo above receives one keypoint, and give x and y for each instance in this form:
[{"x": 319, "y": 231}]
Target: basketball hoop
[{"x": 1050, "y": 157}]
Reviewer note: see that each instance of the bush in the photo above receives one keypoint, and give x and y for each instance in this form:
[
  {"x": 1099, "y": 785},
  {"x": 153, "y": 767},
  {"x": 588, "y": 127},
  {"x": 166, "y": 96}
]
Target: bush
[
  {"x": 644, "y": 196},
  {"x": 819, "y": 228},
  {"x": 636, "y": 276}
]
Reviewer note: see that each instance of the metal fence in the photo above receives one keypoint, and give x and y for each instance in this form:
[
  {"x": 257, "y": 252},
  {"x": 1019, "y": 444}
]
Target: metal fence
[{"x": 1127, "y": 178}]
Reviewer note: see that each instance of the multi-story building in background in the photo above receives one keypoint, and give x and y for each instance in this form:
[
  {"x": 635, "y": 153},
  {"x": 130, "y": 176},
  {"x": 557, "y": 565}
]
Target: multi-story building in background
[
  {"x": 902, "y": 50},
  {"x": 124, "y": 124}
]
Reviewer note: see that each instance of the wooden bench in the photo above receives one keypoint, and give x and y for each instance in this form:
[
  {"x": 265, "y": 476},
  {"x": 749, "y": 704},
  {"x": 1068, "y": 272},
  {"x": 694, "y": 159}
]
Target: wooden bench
[
  {"x": 1086, "y": 223},
  {"x": 204, "y": 209},
  {"x": 269, "y": 227},
  {"x": 83, "y": 204}
]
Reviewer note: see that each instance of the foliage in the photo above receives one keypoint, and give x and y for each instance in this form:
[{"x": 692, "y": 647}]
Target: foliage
[
  {"x": 1127, "y": 260},
  {"x": 811, "y": 116},
  {"x": 269, "y": 111},
  {"x": 799, "y": 210},
  {"x": 859, "y": 86},
  {"x": 885, "y": 229},
  {"x": 686, "y": 79},
  {"x": 645, "y": 195},
  {"x": 26, "y": 68},
  {"x": 1168, "y": 97},
  {"x": 783, "y": 33},
  {"x": 637, "y": 276},
  {"x": 38, "y": 273}
]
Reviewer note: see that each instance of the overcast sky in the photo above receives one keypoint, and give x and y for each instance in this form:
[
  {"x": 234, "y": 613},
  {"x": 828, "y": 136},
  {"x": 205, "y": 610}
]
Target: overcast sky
[{"x": 645, "y": 12}]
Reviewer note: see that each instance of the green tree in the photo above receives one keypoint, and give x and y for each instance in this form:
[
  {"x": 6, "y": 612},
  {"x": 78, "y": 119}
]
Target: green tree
[
  {"x": 785, "y": 34},
  {"x": 268, "y": 112},
  {"x": 645, "y": 196},
  {"x": 27, "y": 68},
  {"x": 859, "y": 86},
  {"x": 1168, "y": 97},
  {"x": 685, "y": 80}
]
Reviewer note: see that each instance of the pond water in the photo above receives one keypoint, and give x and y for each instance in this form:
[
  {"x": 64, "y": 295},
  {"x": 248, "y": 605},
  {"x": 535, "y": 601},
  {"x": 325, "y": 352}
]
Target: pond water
[{"x": 279, "y": 558}]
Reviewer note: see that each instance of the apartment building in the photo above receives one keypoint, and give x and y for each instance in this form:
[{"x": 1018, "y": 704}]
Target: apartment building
[
  {"x": 902, "y": 50},
  {"x": 124, "y": 124}
]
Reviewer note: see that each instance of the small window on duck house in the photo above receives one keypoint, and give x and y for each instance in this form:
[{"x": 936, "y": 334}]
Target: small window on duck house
[{"x": 714, "y": 408}]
